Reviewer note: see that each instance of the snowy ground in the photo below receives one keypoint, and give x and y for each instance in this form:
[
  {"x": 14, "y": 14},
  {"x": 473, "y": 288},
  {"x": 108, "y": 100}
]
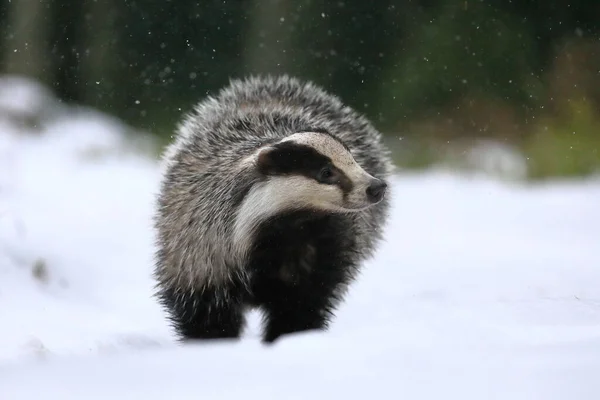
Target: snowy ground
[{"x": 482, "y": 290}]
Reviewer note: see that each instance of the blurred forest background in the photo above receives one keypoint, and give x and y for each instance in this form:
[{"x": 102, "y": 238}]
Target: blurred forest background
[{"x": 438, "y": 77}]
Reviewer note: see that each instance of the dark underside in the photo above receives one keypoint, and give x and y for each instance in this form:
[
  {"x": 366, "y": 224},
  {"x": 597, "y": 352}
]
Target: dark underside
[{"x": 300, "y": 267}]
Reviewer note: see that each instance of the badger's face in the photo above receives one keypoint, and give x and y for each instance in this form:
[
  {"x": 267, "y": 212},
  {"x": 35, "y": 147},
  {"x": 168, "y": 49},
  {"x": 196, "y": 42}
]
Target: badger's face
[{"x": 314, "y": 170}]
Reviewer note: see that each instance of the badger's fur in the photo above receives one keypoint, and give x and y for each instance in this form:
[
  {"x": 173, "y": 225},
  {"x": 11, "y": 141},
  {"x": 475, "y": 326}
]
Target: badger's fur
[{"x": 272, "y": 197}]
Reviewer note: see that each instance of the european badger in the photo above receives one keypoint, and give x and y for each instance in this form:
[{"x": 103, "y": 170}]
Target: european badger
[{"x": 272, "y": 197}]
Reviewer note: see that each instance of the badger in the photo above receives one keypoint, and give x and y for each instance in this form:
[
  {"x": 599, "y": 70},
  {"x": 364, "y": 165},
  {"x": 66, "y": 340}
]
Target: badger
[{"x": 273, "y": 194}]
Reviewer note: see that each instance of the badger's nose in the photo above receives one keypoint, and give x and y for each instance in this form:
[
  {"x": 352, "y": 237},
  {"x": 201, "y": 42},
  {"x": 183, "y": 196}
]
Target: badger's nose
[{"x": 376, "y": 191}]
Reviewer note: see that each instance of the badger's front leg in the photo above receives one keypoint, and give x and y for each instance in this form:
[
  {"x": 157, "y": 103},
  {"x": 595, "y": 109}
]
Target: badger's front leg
[
  {"x": 294, "y": 310},
  {"x": 297, "y": 299},
  {"x": 208, "y": 313}
]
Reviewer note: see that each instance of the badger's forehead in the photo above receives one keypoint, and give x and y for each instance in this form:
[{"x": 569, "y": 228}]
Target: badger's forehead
[{"x": 324, "y": 144}]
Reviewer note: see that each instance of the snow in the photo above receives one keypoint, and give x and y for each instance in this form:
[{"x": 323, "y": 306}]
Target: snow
[{"x": 482, "y": 290}]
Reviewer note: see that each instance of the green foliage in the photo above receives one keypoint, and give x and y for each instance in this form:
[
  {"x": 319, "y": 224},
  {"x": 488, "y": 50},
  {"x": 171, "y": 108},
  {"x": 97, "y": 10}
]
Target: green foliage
[
  {"x": 414, "y": 153},
  {"x": 567, "y": 145}
]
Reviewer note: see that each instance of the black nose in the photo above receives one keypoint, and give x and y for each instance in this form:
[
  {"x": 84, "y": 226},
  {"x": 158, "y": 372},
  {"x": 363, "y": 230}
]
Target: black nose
[{"x": 376, "y": 190}]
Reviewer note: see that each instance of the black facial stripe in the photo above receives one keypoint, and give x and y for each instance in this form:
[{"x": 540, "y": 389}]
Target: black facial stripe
[
  {"x": 344, "y": 182},
  {"x": 289, "y": 158}
]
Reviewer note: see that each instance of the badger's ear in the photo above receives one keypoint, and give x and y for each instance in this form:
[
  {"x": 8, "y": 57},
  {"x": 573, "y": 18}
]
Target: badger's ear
[{"x": 266, "y": 160}]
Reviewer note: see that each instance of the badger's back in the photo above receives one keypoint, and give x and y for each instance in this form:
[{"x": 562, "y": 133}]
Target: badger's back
[{"x": 256, "y": 110}]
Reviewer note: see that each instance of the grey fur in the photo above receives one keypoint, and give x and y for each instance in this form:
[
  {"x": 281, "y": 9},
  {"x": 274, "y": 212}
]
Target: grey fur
[{"x": 208, "y": 172}]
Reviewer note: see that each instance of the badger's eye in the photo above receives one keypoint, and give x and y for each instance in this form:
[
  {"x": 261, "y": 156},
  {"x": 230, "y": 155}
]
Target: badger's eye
[{"x": 326, "y": 175}]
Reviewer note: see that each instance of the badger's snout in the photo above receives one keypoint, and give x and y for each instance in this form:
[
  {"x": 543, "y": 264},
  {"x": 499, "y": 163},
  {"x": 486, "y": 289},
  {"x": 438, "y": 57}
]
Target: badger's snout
[{"x": 376, "y": 190}]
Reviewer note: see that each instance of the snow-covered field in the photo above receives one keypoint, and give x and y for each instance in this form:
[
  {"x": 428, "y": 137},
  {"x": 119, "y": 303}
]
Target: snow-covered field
[{"x": 483, "y": 290}]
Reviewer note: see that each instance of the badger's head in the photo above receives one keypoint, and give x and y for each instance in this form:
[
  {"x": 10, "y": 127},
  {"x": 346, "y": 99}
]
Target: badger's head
[{"x": 316, "y": 171}]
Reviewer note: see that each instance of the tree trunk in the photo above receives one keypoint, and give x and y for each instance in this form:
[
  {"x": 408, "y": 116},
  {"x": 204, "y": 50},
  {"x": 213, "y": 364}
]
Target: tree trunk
[
  {"x": 268, "y": 37},
  {"x": 99, "y": 41},
  {"x": 26, "y": 43}
]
